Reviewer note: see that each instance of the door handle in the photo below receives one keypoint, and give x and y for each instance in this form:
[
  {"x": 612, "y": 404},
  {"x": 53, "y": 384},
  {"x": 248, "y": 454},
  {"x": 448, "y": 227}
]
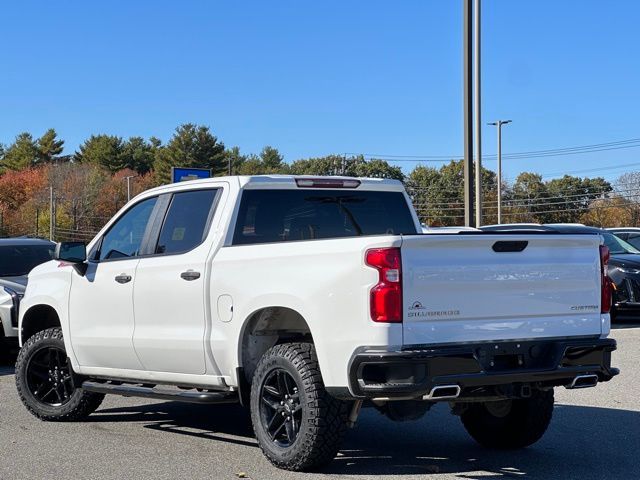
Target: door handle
[
  {"x": 190, "y": 275},
  {"x": 122, "y": 278}
]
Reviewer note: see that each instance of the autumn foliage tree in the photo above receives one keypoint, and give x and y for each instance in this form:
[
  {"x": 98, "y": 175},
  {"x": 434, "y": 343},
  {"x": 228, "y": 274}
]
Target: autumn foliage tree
[
  {"x": 19, "y": 191},
  {"x": 610, "y": 212}
]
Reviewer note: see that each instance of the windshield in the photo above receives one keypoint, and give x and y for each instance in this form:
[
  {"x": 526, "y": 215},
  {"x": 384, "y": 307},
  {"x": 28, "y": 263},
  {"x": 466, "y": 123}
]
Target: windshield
[
  {"x": 617, "y": 245},
  {"x": 19, "y": 260}
]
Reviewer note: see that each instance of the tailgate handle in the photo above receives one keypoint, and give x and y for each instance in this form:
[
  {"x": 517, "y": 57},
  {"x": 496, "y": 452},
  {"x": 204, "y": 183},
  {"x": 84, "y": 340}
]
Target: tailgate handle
[{"x": 510, "y": 246}]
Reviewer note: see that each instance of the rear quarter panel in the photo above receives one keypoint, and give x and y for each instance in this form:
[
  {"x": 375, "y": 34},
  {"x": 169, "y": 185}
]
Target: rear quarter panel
[{"x": 325, "y": 281}]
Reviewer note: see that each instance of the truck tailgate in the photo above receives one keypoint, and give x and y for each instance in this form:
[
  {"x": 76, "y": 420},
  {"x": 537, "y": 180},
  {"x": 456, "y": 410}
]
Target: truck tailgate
[{"x": 486, "y": 287}]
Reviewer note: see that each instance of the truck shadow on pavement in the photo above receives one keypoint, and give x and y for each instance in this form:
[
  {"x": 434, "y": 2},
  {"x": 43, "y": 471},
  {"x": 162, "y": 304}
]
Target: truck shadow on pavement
[
  {"x": 582, "y": 442},
  {"x": 621, "y": 325},
  {"x": 227, "y": 423},
  {"x": 7, "y": 362}
]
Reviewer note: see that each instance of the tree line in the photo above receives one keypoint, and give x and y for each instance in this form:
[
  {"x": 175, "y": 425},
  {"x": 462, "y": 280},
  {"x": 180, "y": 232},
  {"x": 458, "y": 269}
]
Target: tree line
[{"x": 89, "y": 184}]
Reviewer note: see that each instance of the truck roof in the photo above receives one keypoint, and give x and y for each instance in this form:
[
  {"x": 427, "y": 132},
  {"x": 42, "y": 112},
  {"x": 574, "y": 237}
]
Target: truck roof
[{"x": 289, "y": 181}]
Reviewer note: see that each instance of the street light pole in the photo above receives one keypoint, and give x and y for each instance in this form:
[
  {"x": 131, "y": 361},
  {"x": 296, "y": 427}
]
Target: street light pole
[
  {"x": 52, "y": 220},
  {"x": 467, "y": 108},
  {"x": 499, "y": 124},
  {"x": 477, "y": 109},
  {"x": 128, "y": 179}
]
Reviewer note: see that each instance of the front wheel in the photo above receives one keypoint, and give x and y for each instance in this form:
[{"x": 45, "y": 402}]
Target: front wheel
[
  {"x": 510, "y": 424},
  {"x": 299, "y": 426},
  {"x": 44, "y": 383}
]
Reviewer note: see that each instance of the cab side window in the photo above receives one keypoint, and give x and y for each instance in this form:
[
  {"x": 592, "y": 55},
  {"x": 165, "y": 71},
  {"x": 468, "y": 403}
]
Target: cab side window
[
  {"x": 185, "y": 224},
  {"x": 125, "y": 236}
]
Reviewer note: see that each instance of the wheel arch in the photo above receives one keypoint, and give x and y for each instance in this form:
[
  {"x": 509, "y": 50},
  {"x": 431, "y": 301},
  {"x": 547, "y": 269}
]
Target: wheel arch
[
  {"x": 37, "y": 318},
  {"x": 266, "y": 327}
]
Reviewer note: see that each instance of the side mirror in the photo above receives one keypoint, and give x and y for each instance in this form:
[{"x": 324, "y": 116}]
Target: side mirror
[{"x": 72, "y": 252}]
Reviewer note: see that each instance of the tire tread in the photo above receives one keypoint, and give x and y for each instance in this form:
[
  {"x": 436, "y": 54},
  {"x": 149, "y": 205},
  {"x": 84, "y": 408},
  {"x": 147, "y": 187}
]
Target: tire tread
[
  {"x": 77, "y": 409},
  {"x": 328, "y": 424}
]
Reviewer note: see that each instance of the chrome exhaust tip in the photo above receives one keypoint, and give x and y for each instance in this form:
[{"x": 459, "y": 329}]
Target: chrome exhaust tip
[
  {"x": 443, "y": 392},
  {"x": 583, "y": 381}
]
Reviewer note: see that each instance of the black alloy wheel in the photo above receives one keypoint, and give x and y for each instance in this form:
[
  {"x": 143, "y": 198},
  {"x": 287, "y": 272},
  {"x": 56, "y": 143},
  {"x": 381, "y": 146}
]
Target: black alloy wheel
[
  {"x": 48, "y": 377},
  {"x": 298, "y": 425},
  {"x": 45, "y": 382},
  {"x": 280, "y": 408}
]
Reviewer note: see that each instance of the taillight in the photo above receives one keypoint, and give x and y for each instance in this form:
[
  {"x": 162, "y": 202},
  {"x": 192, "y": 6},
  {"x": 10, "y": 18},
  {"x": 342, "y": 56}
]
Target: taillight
[
  {"x": 386, "y": 295},
  {"x": 605, "y": 281}
]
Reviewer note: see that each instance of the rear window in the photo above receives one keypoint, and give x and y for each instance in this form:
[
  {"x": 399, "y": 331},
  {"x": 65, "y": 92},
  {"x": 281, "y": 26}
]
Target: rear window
[{"x": 268, "y": 216}]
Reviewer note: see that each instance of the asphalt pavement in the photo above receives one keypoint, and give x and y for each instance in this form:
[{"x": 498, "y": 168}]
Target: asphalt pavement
[{"x": 595, "y": 434}]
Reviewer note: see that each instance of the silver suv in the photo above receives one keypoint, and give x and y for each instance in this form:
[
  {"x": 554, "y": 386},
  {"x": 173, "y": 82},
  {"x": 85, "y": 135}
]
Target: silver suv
[{"x": 17, "y": 257}]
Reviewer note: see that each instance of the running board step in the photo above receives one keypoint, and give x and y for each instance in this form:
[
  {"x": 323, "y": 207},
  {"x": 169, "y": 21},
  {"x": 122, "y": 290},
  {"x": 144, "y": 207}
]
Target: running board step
[{"x": 160, "y": 394}]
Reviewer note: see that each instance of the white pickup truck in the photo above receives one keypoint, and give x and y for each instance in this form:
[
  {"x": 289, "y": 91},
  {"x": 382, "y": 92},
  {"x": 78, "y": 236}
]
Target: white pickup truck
[{"x": 304, "y": 297}]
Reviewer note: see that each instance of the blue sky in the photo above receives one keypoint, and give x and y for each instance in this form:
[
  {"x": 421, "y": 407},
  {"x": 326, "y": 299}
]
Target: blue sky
[{"x": 327, "y": 77}]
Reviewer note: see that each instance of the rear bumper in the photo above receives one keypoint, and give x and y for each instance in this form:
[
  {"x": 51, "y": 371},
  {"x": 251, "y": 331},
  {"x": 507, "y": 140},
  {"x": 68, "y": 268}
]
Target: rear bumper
[{"x": 414, "y": 372}]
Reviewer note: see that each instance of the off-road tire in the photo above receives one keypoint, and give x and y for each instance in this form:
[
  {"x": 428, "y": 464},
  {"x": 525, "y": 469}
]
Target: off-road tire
[
  {"x": 80, "y": 403},
  {"x": 525, "y": 423},
  {"x": 324, "y": 418}
]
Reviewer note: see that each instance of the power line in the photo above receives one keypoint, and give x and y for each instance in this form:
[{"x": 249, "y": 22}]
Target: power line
[
  {"x": 556, "y": 199},
  {"x": 533, "y": 208},
  {"x": 580, "y": 149},
  {"x": 598, "y": 169}
]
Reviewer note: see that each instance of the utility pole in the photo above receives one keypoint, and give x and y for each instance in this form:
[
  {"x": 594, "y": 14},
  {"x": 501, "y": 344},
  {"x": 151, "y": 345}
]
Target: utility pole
[
  {"x": 467, "y": 89},
  {"x": 499, "y": 124},
  {"x": 229, "y": 165},
  {"x": 477, "y": 108},
  {"x": 128, "y": 179},
  {"x": 51, "y": 213}
]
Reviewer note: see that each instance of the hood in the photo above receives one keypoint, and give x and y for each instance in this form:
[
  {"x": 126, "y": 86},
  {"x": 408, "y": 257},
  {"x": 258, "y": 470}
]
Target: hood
[
  {"x": 17, "y": 284},
  {"x": 631, "y": 260}
]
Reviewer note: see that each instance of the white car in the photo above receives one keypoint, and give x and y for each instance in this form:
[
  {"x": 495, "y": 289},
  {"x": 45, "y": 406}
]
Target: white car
[{"x": 302, "y": 297}]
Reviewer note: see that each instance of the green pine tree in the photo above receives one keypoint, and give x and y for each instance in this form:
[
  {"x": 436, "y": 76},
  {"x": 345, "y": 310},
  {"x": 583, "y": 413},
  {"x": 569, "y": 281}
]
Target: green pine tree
[
  {"x": 104, "y": 150},
  {"x": 21, "y": 154},
  {"x": 49, "y": 147},
  {"x": 191, "y": 146},
  {"x": 137, "y": 154}
]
